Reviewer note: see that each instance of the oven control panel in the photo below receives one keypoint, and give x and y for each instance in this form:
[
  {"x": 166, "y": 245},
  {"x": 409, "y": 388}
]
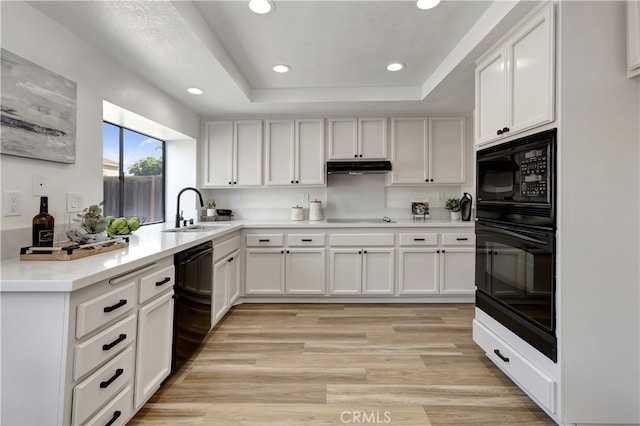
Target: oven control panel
[{"x": 533, "y": 169}]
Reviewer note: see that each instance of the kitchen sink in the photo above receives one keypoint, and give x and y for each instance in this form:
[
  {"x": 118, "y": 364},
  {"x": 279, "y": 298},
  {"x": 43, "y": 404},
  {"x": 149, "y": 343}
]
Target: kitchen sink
[
  {"x": 197, "y": 228},
  {"x": 366, "y": 220}
]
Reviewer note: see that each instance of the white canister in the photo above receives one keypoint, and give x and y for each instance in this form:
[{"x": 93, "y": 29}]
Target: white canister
[
  {"x": 315, "y": 210},
  {"x": 297, "y": 213}
]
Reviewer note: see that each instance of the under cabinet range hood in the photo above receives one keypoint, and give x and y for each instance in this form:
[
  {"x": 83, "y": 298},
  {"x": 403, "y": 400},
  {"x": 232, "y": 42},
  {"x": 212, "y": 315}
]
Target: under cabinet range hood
[{"x": 358, "y": 167}]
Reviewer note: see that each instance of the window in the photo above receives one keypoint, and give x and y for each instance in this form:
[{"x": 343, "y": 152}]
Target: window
[{"x": 133, "y": 174}]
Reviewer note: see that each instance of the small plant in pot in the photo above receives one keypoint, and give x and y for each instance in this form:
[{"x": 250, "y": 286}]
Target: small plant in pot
[
  {"x": 211, "y": 206},
  {"x": 91, "y": 219},
  {"x": 453, "y": 205}
]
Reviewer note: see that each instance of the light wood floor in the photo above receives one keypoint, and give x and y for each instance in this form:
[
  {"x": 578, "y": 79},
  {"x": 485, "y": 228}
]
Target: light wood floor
[{"x": 335, "y": 364}]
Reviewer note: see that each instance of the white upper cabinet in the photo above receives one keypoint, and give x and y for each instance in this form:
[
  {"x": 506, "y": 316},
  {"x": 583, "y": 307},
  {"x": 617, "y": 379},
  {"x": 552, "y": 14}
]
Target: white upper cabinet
[
  {"x": 358, "y": 138},
  {"x": 232, "y": 153},
  {"x": 515, "y": 84},
  {"x": 295, "y": 152},
  {"x": 427, "y": 150},
  {"x": 633, "y": 38}
]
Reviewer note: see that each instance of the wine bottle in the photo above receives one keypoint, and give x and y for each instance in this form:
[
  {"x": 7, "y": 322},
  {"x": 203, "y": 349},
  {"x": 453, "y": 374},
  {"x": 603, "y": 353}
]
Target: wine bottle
[{"x": 43, "y": 225}]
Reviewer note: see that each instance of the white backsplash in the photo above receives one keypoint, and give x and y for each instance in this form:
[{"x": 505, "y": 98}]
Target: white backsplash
[{"x": 345, "y": 196}]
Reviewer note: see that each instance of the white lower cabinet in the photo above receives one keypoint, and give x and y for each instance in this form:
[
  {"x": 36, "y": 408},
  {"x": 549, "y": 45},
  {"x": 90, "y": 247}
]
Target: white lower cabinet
[
  {"x": 418, "y": 271},
  {"x": 155, "y": 336},
  {"x": 299, "y": 268},
  {"x": 362, "y": 271},
  {"x": 457, "y": 271},
  {"x": 226, "y": 285}
]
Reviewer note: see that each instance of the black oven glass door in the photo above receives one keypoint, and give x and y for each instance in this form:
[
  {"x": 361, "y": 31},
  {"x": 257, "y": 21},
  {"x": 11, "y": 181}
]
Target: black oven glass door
[{"x": 515, "y": 266}]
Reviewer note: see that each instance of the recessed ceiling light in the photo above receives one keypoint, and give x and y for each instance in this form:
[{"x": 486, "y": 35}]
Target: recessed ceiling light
[
  {"x": 427, "y": 4},
  {"x": 282, "y": 68},
  {"x": 395, "y": 66},
  {"x": 261, "y": 6},
  {"x": 195, "y": 91}
]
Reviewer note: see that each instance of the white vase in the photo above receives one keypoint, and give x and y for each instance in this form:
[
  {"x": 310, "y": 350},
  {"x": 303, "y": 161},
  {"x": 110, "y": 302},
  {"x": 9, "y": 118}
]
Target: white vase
[
  {"x": 211, "y": 212},
  {"x": 455, "y": 215}
]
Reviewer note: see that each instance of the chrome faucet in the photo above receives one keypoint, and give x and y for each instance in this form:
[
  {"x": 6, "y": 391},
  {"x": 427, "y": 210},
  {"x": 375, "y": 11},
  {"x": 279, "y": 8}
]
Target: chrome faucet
[{"x": 178, "y": 215}]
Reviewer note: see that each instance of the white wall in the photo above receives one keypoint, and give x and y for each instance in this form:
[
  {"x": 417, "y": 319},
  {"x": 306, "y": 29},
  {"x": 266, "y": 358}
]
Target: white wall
[
  {"x": 35, "y": 37},
  {"x": 599, "y": 201}
]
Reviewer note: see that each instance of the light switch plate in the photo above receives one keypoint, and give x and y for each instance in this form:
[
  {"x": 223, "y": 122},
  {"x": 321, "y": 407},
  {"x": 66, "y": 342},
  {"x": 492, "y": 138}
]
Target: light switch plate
[
  {"x": 39, "y": 185},
  {"x": 75, "y": 202}
]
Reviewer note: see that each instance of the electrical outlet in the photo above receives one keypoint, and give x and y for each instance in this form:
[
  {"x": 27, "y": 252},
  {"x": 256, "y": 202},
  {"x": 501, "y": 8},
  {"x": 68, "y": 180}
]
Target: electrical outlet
[
  {"x": 305, "y": 197},
  {"x": 39, "y": 185},
  {"x": 11, "y": 203},
  {"x": 440, "y": 196},
  {"x": 75, "y": 202},
  {"x": 237, "y": 199}
]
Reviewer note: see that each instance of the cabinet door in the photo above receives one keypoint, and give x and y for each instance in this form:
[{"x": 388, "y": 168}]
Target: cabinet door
[
  {"x": 372, "y": 138},
  {"x": 155, "y": 338},
  {"x": 218, "y": 154},
  {"x": 378, "y": 271},
  {"x": 343, "y": 142},
  {"x": 346, "y": 271},
  {"x": 264, "y": 272},
  {"x": 279, "y": 152},
  {"x": 248, "y": 152},
  {"x": 447, "y": 142},
  {"x": 234, "y": 277},
  {"x": 418, "y": 271},
  {"x": 219, "y": 294},
  {"x": 457, "y": 271},
  {"x": 305, "y": 271},
  {"x": 491, "y": 86},
  {"x": 310, "y": 164},
  {"x": 409, "y": 150},
  {"x": 531, "y": 70}
]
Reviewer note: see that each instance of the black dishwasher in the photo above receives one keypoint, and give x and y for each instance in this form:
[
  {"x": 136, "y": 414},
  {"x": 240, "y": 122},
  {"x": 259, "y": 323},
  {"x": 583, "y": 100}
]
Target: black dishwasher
[{"x": 192, "y": 315}]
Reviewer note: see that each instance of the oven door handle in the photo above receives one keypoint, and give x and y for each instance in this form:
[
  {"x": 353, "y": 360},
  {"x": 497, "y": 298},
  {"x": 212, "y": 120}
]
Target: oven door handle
[{"x": 522, "y": 235}]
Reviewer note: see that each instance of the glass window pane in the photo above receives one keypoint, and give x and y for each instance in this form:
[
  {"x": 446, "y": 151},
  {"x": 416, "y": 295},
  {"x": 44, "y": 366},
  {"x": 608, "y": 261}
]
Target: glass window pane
[
  {"x": 143, "y": 177},
  {"x": 110, "y": 169}
]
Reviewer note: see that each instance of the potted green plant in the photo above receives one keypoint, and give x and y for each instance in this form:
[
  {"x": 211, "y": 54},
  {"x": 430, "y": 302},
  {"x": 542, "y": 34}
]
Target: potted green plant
[
  {"x": 91, "y": 219},
  {"x": 211, "y": 206},
  {"x": 453, "y": 205}
]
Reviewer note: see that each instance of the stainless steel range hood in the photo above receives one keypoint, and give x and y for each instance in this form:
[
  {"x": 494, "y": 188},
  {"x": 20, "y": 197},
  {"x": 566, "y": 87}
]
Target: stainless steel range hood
[{"x": 358, "y": 167}]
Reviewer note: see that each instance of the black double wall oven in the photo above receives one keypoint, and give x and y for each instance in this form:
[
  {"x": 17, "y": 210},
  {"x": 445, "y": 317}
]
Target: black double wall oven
[{"x": 515, "y": 238}]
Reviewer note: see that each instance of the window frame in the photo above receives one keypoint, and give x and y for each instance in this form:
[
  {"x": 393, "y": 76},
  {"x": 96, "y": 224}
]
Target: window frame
[{"x": 121, "y": 176}]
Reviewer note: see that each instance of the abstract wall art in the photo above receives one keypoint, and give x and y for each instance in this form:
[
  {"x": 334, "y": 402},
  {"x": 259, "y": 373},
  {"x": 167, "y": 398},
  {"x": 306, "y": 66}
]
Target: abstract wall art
[{"x": 38, "y": 111}]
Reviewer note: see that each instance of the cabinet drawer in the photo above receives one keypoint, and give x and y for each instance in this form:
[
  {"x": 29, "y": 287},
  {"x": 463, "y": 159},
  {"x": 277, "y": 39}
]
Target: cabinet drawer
[
  {"x": 156, "y": 282},
  {"x": 462, "y": 239},
  {"x": 101, "y": 386},
  {"x": 116, "y": 412},
  {"x": 98, "y": 349},
  {"x": 361, "y": 240},
  {"x": 526, "y": 375},
  {"x": 96, "y": 312},
  {"x": 305, "y": 240},
  {"x": 264, "y": 240},
  {"x": 222, "y": 249},
  {"x": 419, "y": 239}
]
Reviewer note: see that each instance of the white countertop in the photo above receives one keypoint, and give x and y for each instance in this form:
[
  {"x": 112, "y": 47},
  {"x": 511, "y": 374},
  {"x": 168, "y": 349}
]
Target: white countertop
[{"x": 147, "y": 245}]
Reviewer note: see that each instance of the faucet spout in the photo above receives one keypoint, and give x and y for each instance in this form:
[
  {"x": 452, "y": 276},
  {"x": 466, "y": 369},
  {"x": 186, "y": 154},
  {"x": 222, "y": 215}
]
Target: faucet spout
[{"x": 178, "y": 215}]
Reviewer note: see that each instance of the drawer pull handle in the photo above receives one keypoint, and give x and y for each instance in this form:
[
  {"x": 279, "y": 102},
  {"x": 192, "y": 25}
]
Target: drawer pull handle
[
  {"x": 502, "y": 357},
  {"x": 112, "y": 308},
  {"x": 264, "y": 241},
  {"x": 116, "y": 414},
  {"x": 307, "y": 240},
  {"x": 108, "y": 346},
  {"x": 166, "y": 280},
  {"x": 418, "y": 239},
  {"x": 119, "y": 372},
  {"x": 462, "y": 239}
]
